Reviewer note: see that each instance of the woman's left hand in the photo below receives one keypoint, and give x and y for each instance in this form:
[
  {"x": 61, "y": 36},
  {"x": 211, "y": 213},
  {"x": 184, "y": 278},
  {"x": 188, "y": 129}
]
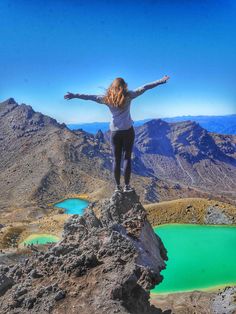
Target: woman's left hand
[
  {"x": 165, "y": 79},
  {"x": 69, "y": 96}
]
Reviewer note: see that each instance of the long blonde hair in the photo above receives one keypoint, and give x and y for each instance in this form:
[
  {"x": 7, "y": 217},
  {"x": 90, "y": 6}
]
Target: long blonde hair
[{"x": 116, "y": 93}]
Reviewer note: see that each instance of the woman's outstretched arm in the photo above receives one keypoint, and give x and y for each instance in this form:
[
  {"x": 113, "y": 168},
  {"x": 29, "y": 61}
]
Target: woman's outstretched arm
[
  {"x": 97, "y": 98},
  {"x": 140, "y": 90}
]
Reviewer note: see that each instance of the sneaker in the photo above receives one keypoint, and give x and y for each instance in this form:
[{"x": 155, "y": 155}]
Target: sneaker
[
  {"x": 128, "y": 188},
  {"x": 118, "y": 188}
]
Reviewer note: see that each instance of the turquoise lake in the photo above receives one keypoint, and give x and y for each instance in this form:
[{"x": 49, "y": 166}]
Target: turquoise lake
[
  {"x": 40, "y": 239},
  {"x": 200, "y": 257},
  {"x": 73, "y": 206}
]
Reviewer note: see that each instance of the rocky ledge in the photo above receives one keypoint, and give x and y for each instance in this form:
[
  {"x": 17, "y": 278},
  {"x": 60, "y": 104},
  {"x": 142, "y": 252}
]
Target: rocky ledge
[{"x": 104, "y": 264}]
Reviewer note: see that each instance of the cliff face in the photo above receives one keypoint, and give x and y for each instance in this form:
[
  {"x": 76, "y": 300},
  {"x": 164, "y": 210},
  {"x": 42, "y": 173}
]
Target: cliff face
[{"x": 104, "y": 264}]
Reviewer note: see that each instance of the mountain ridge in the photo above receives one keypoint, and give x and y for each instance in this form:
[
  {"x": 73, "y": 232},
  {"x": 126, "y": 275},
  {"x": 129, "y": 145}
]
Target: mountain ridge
[
  {"x": 225, "y": 124},
  {"x": 43, "y": 161}
]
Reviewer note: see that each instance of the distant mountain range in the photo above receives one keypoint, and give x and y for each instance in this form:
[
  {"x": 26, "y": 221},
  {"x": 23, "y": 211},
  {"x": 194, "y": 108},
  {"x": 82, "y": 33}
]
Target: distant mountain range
[
  {"x": 218, "y": 124},
  {"x": 42, "y": 161},
  {"x": 93, "y": 127}
]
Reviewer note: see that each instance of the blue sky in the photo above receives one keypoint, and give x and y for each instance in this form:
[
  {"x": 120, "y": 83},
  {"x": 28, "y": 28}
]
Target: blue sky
[{"x": 50, "y": 47}]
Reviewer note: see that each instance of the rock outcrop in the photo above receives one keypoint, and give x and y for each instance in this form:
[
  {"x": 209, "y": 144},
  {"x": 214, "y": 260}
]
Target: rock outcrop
[
  {"x": 216, "y": 216},
  {"x": 105, "y": 263},
  {"x": 224, "y": 301}
]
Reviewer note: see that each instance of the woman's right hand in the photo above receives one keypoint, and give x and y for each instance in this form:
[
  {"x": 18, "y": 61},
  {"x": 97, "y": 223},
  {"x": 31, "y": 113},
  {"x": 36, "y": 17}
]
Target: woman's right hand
[{"x": 69, "y": 96}]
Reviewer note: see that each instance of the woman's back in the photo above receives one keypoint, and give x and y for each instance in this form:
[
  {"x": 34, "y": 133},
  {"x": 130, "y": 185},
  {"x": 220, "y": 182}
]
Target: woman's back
[{"x": 121, "y": 118}]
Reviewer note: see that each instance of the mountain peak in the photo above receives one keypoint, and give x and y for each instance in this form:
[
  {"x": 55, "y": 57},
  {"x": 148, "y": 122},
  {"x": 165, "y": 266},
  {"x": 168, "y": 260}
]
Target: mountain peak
[
  {"x": 23, "y": 116},
  {"x": 156, "y": 122},
  {"x": 11, "y": 101},
  {"x": 100, "y": 136},
  {"x": 7, "y": 106},
  {"x": 153, "y": 128}
]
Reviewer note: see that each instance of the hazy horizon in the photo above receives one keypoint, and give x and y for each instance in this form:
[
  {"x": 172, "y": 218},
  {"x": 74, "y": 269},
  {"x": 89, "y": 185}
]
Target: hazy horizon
[{"x": 183, "y": 116}]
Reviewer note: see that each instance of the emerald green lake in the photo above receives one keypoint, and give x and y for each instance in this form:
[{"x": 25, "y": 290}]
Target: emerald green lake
[
  {"x": 73, "y": 206},
  {"x": 40, "y": 239},
  {"x": 200, "y": 257}
]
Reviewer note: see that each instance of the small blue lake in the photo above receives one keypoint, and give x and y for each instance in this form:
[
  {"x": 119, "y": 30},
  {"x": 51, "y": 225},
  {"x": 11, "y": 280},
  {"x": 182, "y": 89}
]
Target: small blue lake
[
  {"x": 40, "y": 239},
  {"x": 73, "y": 206}
]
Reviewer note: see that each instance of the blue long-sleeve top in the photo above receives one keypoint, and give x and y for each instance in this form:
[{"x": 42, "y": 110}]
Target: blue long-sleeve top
[{"x": 121, "y": 118}]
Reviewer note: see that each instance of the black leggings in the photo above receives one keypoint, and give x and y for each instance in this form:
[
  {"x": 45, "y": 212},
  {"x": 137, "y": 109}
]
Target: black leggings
[{"x": 122, "y": 141}]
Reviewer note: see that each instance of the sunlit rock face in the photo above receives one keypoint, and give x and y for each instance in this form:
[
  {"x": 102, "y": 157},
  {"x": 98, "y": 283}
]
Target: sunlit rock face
[{"x": 105, "y": 263}]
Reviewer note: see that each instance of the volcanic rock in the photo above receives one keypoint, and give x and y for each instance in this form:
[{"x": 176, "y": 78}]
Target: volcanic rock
[{"x": 101, "y": 265}]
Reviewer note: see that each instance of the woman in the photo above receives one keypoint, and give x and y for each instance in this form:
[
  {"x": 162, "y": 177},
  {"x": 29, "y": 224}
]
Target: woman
[{"x": 118, "y": 99}]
